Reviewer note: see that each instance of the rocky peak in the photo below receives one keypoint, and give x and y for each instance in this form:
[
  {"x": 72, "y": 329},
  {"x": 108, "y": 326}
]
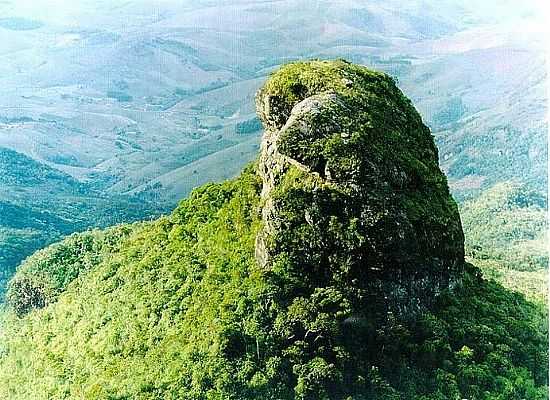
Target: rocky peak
[{"x": 353, "y": 197}]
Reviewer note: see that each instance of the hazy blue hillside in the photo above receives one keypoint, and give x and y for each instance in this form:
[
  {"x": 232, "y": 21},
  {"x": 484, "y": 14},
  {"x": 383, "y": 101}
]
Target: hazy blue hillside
[{"x": 120, "y": 102}]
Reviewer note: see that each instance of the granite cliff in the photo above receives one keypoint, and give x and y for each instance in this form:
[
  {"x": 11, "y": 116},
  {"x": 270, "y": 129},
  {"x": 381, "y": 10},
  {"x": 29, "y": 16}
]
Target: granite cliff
[{"x": 352, "y": 191}]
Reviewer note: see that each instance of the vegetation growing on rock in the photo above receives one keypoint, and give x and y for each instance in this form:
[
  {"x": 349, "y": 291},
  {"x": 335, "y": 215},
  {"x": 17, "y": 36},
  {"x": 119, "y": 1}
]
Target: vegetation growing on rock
[
  {"x": 256, "y": 288},
  {"x": 352, "y": 188}
]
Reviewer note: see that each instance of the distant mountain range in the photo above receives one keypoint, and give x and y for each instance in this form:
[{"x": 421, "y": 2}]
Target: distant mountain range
[{"x": 114, "y": 110}]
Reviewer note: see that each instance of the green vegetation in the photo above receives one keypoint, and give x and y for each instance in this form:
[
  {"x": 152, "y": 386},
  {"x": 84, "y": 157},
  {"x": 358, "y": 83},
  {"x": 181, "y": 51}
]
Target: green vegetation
[
  {"x": 523, "y": 160},
  {"x": 40, "y": 205},
  {"x": 368, "y": 212},
  {"x": 181, "y": 311},
  {"x": 47, "y": 273},
  {"x": 508, "y": 223},
  {"x": 16, "y": 243},
  {"x": 533, "y": 284},
  {"x": 506, "y": 235},
  {"x": 291, "y": 281}
]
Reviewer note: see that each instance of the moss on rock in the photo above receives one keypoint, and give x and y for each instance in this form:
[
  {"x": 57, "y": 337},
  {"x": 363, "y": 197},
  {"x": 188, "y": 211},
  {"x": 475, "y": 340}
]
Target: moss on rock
[{"x": 371, "y": 211}]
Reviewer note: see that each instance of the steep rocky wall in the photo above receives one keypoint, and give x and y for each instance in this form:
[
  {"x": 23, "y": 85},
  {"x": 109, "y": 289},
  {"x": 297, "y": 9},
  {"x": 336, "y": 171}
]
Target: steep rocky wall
[{"x": 353, "y": 196}]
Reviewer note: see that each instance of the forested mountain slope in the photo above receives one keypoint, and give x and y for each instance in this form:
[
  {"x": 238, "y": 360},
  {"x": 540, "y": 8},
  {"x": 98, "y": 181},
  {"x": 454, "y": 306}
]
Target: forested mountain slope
[
  {"x": 40, "y": 204},
  {"x": 299, "y": 279},
  {"x": 508, "y": 236}
]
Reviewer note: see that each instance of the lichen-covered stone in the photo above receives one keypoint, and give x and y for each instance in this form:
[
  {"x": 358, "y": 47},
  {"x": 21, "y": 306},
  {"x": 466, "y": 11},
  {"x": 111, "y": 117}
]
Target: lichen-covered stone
[{"x": 353, "y": 197}]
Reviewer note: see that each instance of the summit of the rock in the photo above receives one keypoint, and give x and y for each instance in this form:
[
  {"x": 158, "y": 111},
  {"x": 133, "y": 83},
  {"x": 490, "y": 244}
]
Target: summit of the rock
[{"x": 352, "y": 192}]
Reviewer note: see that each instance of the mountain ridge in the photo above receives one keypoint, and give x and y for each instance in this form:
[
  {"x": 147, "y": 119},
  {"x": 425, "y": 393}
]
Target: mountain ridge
[{"x": 188, "y": 307}]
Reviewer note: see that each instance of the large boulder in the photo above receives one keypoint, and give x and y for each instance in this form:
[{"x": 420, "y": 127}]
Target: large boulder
[{"x": 353, "y": 197}]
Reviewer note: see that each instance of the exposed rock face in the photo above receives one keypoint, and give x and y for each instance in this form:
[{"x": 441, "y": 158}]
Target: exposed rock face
[{"x": 353, "y": 197}]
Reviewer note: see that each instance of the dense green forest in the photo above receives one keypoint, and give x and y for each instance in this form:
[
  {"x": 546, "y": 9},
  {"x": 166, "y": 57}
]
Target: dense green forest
[
  {"x": 296, "y": 280},
  {"x": 40, "y": 205},
  {"x": 506, "y": 235},
  {"x": 178, "y": 309}
]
